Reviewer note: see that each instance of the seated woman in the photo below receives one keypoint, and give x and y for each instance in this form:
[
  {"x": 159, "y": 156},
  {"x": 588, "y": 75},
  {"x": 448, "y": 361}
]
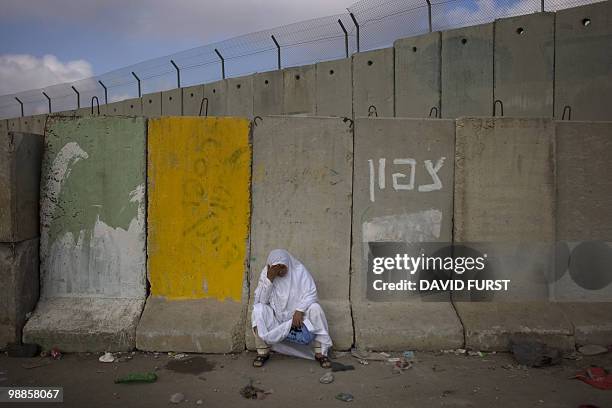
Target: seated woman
[{"x": 285, "y": 307}]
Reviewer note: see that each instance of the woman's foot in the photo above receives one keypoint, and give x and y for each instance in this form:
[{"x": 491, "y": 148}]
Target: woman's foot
[
  {"x": 260, "y": 360},
  {"x": 323, "y": 360}
]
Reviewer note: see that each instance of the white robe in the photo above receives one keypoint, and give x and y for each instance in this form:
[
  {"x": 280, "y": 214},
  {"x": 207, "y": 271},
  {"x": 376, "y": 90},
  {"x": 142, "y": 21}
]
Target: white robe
[{"x": 276, "y": 301}]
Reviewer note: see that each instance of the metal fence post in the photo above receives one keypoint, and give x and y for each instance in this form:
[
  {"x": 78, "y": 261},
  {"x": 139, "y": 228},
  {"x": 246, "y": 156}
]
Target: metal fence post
[
  {"x": 139, "y": 88},
  {"x": 346, "y": 47},
  {"x": 357, "y": 27},
  {"x": 105, "y": 92},
  {"x": 278, "y": 51},
  {"x": 222, "y": 63},
  {"x": 178, "y": 73},
  {"x": 429, "y": 14},
  {"x": 20, "y": 104},
  {"x": 78, "y": 97},
  {"x": 48, "y": 100},
  {"x": 542, "y": 6}
]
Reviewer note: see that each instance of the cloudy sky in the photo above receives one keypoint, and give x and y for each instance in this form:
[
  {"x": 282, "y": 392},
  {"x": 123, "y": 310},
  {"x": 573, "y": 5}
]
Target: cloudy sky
[{"x": 43, "y": 42}]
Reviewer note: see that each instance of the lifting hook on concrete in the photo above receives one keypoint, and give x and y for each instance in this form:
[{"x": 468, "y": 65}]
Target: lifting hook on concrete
[
  {"x": 349, "y": 120},
  {"x": 78, "y": 97},
  {"x": 567, "y": 109},
  {"x": 97, "y": 103},
  {"x": 501, "y": 105},
  {"x": 372, "y": 111},
  {"x": 432, "y": 110},
  {"x": 202, "y": 105},
  {"x": 255, "y": 120}
]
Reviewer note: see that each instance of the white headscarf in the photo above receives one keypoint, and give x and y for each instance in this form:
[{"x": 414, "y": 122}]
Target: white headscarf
[{"x": 294, "y": 291}]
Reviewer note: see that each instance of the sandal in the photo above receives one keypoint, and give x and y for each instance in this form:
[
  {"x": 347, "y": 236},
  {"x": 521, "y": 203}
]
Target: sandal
[
  {"x": 260, "y": 360},
  {"x": 324, "y": 361}
]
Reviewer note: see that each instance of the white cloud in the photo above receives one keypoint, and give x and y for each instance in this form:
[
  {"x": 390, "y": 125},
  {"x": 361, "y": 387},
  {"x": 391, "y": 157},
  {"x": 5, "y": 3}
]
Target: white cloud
[
  {"x": 19, "y": 72},
  {"x": 207, "y": 21}
]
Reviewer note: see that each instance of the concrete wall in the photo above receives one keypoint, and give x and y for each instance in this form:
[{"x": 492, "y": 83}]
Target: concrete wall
[
  {"x": 268, "y": 93},
  {"x": 396, "y": 199},
  {"x": 19, "y": 287},
  {"x": 467, "y": 71},
  {"x": 334, "y": 88},
  {"x": 302, "y": 188},
  {"x": 172, "y": 102},
  {"x": 151, "y": 105},
  {"x": 299, "y": 89},
  {"x": 417, "y": 76},
  {"x": 219, "y": 98},
  {"x": 20, "y": 157},
  {"x": 583, "y": 61},
  {"x": 192, "y": 98},
  {"x": 199, "y": 208},
  {"x": 92, "y": 235},
  {"x": 505, "y": 209},
  {"x": 373, "y": 83},
  {"x": 582, "y": 281},
  {"x": 239, "y": 100},
  {"x": 524, "y": 64}
]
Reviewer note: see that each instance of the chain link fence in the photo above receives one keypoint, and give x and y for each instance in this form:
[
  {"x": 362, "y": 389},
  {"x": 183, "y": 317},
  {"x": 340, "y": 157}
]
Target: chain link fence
[{"x": 367, "y": 25}]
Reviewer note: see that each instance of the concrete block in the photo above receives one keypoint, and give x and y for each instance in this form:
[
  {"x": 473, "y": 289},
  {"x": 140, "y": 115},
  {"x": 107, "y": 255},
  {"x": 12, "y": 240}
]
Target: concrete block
[
  {"x": 112, "y": 109},
  {"x": 133, "y": 107},
  {"x": 299, "y": 90},
  {"x": 583, "y": 213},
  {"x": 591, "y": 321},
  {"x": 584, "y": 207},
  {"x": 373, "y": 83},
  {"x": 192, "y": 98},
  {"x": 14, "y": 125},
  {"x": 191, "y": 325},
  {"x": 416, "y": 214},
  {"x": 334, "y": 88},
  {"x": 93, "y": 238},
  {"x": 151, "y": 105},
  {"x": 172, "y": 102},
  {"x": 417, "y": 76},
  {"x": 33, "y": 124},
  {"x": 198, "y": 226},
  {"x": 467, "y": 71},
  {"x": 524, "y": 61},
  {"x": 20, "y": 161},
  {"x": 20, "y": 285},
  {"x": 490, "y": 326},
  {"x": 505, "y": 209},
  {"x": 305, "y": 194},
  {"x": 268, "y": 93},
  {"x": 84, "y": 324},
  {"x": 583, "y": 57},
  {"x": 239, "y": 100},
  {"x": 83, "y": 112},
  {"x": 218, "y": 97}
]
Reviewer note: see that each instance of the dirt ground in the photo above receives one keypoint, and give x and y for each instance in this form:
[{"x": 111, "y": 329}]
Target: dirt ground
[{"x": 435, "y": 380}]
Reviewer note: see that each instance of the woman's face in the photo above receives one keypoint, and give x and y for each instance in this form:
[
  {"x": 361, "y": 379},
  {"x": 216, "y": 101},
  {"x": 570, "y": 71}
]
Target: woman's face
[{"x": 279, "y": 269}]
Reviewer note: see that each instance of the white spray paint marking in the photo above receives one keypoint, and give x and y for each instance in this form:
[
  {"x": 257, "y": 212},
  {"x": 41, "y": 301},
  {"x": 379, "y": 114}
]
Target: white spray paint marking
[
  {"x": 112, "y": 266},
  {"x": 396, "y": 176},
  {"x": 397, "y": 186},
  {"x": 59, "y": 171},
  {"x": 433, "y": 172},
  {"x": 422, "y": 226}
]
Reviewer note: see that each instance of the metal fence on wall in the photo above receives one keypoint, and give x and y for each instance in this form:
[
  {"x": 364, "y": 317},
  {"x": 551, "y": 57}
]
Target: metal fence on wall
[{"x": 367, "y": 25}]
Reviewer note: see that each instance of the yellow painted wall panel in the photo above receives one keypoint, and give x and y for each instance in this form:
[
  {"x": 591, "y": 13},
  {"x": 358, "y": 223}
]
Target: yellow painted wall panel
[{"x": 199, "y": 206}]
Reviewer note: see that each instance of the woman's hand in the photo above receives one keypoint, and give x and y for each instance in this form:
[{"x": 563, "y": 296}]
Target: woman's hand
[
  {"x": 275, "y": 271},
  {"x": 298, "y": 318}
]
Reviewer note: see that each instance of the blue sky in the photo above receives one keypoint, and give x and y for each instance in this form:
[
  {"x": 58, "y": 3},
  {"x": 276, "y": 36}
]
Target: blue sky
[{"x": 102, "y": 35}]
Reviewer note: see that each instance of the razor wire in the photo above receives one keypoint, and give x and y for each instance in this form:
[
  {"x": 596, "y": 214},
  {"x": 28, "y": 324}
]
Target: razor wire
[{"x": 367, "y": 25}]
